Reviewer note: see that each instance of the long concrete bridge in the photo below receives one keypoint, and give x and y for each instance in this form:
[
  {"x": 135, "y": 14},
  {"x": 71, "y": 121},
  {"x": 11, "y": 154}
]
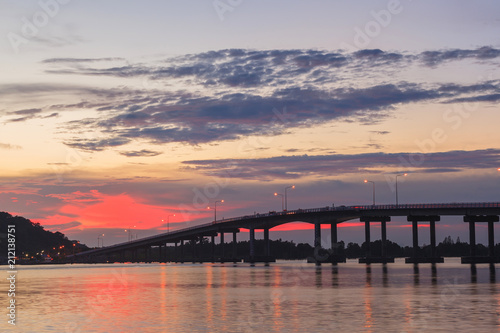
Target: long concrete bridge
[{"x": 472, "y": 213}]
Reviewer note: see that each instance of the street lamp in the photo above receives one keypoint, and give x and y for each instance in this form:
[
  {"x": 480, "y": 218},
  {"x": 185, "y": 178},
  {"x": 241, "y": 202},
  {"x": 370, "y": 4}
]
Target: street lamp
[
  {"x": 168, "y": 223},
  {"x": 373, "y": 183},
  {"x": 129, "y": 230},
  {"x": 282, "y": 200},
  {"x": 398, "y": 175},
  {"x": 102, "y": 240},
  {"x": 286, "y": 201},
  {"x": 215, "y": 209}
]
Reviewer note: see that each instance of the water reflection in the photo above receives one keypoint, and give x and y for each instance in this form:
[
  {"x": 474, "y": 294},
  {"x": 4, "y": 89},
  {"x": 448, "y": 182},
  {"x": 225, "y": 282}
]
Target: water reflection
[
  {"x": 434, "y": 279},
  {"x": 335, "y": 276},
  {"x": 319, "y": 276},
  {"x": 385, "y": 276},
  {"x": 283, "y": 297}
]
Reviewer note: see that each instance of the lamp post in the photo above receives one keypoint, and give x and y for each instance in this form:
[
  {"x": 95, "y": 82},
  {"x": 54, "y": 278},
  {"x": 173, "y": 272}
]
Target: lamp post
[
  {"x": 373, "y": 183},
  {"x": 282, "y": 200},
  {"x": 286, "y": 199},
  {"x": 215, "y": 209},
  {"x": 102, "y": 240},
  {"x": 398, "y": 175},
  {"x": 129, "y": 230},
  {"x": 168, "y": 223}
]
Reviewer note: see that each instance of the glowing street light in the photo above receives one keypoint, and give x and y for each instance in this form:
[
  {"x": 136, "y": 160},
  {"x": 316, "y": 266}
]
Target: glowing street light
[
  {"x": 215, "y": 209},
  {"x": 398, "y": 175},
  {"x": 129, "y": 230},
  {"x": 100, "y": 237},
  {"x": 286, "y": 200},
  {"x": 373, "y": 183},
  {"x": 282, "y": 200},
  {"x": 168, "y": 222}
]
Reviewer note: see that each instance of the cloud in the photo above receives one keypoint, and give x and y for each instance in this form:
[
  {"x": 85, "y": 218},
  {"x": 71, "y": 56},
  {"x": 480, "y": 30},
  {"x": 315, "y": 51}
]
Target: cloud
[
  {"x": 229, "y": 94},
  {"x": 140, "y": 153},
  {"x": 9, "y": 146},
  {"x": 434, "y": 58},
  {"x": 299, "y": 166},
  {"x": 63, "y": 226}
]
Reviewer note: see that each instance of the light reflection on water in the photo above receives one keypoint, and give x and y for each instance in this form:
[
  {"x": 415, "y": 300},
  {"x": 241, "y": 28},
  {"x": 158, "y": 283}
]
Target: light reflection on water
[{"x": 282, "y": 297}]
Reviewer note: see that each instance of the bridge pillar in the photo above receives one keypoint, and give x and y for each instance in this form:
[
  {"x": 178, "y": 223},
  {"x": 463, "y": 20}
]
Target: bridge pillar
[
  {"x": 222, "y": 242},
  {"x": 235, "y": 247},
  {"x": 383, "y": 227},
  {"x": 491, "y": 239},
  {"x": 252, "y": 244},
  {"x": 160, "y": 253},
  {"x": 317, "y": 243},
  {"x": 267, "y": 248},
  {"x": 367, "y": 239},
  {"x": 472, "y": 219},
  {"x": 182, "y": 251},
  {"x": 383, "y": 230},
  {"x": 213, "y": 247},
  {"x": 193, "y": 249},
  {"x": 433, "y": 258},
  {"x": 335, "y": 256}
]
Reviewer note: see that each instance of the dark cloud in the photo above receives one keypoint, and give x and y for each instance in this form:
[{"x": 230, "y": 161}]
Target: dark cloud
[
  {"x": 63, "y": 226},
  {"x": 140, "y": 153},
  {"x": 295, "y": 167},
  {"x": 434, "y": 58}
]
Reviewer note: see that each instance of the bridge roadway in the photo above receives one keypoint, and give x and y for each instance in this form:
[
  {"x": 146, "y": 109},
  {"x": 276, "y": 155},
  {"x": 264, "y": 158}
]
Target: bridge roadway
[{"x": 416, "y": 213}]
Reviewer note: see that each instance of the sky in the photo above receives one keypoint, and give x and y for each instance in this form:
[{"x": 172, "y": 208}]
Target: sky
[{"x": 128, "y": 115}]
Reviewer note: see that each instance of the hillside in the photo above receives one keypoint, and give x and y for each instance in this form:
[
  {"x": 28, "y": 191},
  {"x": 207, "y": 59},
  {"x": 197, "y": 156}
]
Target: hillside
[{"x": 33, "y": 242}]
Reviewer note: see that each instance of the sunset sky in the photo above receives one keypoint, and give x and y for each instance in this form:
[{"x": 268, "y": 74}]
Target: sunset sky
[{"x": 117, "y": 114}]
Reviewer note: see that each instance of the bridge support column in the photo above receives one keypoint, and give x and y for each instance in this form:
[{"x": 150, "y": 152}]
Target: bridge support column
[
  {"x": 212, "y": 238},
  {"x": 335, "y": 256},
  {"x": 235, "y": 247},
  {"x": 383, "y": 249},
  {"x": 222, "y": 252},
  {"x": 367, "y": 239},
  {"x": 160, "y": 253},
  {"x": 414, "y": 229},
  {"x": 491, "y": 258},
  {"x": 252, "y": 245},
  {"x": 267, "y": 248},
  {"x": 416, "y": 258},
  {"x": 383, "y": 227},
  {"x": 193, "y": 250},
  {"x": 182, "y": 251},
  {"x": 319, "y": 254},
  {"x": 491, "y": 239}
]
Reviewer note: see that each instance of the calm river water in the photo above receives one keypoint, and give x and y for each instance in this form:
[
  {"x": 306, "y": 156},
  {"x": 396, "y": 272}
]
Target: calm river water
[{"x": 282, "y": 297}]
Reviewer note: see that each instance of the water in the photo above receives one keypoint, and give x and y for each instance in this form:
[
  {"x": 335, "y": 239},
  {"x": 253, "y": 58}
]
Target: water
[{"x": 282, "y": 297}]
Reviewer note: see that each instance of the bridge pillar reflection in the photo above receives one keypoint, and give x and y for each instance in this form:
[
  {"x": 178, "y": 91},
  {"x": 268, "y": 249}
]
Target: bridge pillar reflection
[
  {"x": 417, "y": 258},
  {"x": 473, "y": 258}
]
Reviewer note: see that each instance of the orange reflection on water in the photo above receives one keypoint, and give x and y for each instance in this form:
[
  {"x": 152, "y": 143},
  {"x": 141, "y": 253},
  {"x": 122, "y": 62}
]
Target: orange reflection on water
[
  {"x": 277, "y": 297},
  {"x": 368, "y": 300}
]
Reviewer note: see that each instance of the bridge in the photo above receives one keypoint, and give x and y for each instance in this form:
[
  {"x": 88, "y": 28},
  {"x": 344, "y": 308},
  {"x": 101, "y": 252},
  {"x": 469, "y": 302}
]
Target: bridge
[{"x": 415, "y": 213}]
